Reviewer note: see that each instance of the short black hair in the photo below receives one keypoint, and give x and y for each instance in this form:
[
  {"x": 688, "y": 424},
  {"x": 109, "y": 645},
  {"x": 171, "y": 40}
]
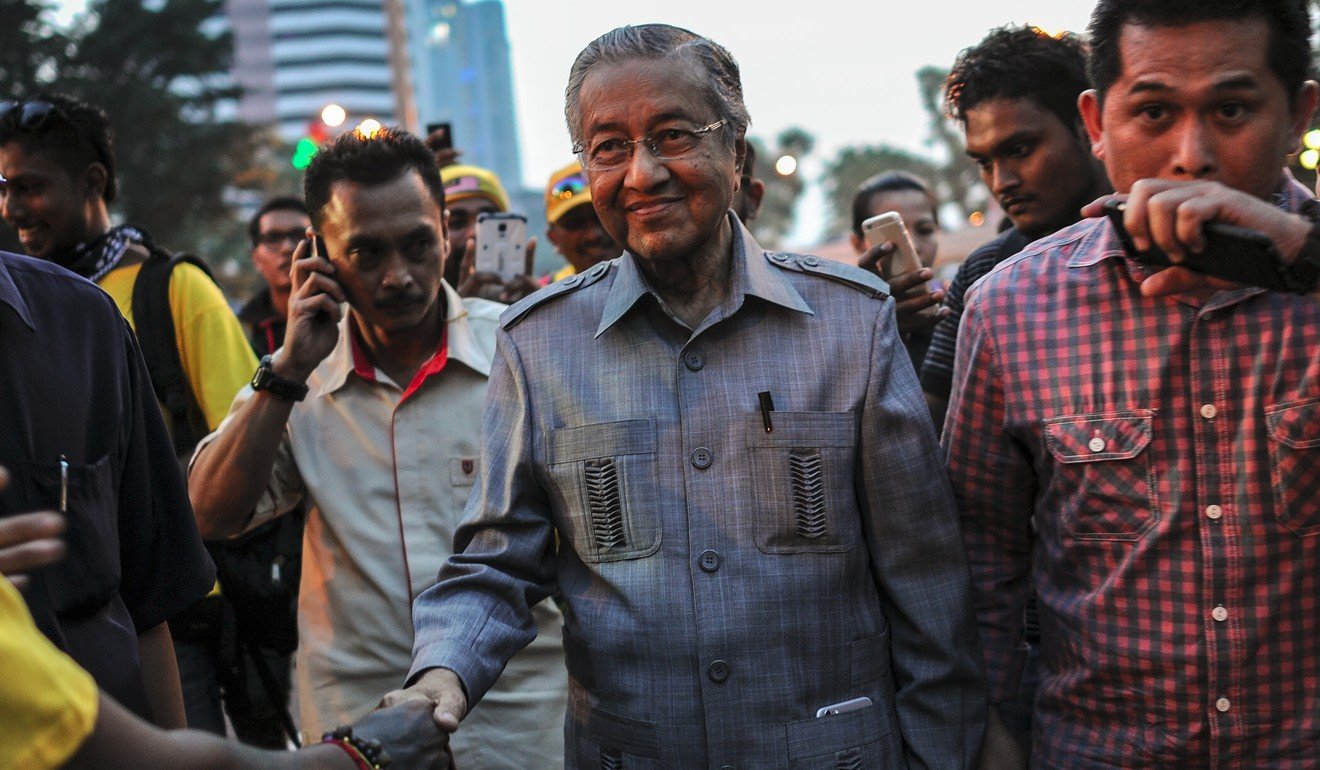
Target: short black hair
[
  {"x": 1019, "y": 62},
  {"x": 371, "y": 160},
  {"x": 1289, "y": 21},
  {"x": 889, "y": 181},
  {"x": 278, "y": 203},
  {"x": 73, "y": 133}
]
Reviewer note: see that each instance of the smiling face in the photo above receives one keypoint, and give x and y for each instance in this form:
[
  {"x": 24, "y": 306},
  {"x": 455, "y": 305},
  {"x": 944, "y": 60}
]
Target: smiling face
[
  {"x": 48, "y": 207},
  {"x": 387, "y": 243},
  {"x": 1197, "y": 102},
  {"x": 1039, "y": 170},
  {"x": 661, "y": 211}
]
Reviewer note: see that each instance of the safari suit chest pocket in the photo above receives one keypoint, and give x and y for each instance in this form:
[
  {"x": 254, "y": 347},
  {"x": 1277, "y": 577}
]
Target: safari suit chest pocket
[
  {"x": 1295, "y": 464},
  {"x": 1104, "y": 482},
  {"x": 88, "y": 575},
  {"x": 802, "y": 481},
  {"x": 605, "y": 477}
]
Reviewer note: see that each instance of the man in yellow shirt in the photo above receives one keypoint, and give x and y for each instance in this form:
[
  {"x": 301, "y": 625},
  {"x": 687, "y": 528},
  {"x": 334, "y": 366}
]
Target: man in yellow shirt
[{"x": 572, "y": 225}]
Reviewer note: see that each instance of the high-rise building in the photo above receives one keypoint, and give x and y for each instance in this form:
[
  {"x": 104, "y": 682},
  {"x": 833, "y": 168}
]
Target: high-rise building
[
  {"x": 461, "y": 74},
  {"x": 293, "y": 57},
  {"x": 413, "y": 62}
]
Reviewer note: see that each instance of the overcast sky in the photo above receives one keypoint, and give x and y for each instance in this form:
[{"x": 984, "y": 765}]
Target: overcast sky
[{"x": 845, "y": 75}]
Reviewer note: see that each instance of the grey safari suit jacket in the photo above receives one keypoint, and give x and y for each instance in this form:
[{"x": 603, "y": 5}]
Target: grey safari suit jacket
[{"x": 722, "y": 582}]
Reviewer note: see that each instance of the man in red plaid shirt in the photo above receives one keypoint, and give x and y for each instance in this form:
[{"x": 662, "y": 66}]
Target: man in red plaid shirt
[{"x": 1142, "y": 446}]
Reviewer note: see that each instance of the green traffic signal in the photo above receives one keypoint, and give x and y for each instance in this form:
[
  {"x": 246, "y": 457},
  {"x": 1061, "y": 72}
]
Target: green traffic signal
[{"x": 302, "y": 153}]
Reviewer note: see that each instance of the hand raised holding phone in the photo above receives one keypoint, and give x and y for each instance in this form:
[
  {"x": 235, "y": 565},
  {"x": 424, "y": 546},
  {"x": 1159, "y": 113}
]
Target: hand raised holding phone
[
  {"x": 315, "y": 308},
  {"x": 891, "y": 254}
]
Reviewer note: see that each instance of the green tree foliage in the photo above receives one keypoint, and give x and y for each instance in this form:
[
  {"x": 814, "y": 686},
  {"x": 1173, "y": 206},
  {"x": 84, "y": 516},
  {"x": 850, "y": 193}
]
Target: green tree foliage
[{"x": 159, "y": 70}]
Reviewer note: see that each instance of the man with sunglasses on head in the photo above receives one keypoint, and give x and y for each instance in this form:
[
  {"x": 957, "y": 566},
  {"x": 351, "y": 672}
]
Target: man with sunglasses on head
[
  {"x": 572, "y": 224},
  {"x": 58, "y": 164},
  {"x": 746, "y": 519}
]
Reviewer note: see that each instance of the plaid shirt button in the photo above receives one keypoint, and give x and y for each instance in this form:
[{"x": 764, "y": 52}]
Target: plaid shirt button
[
  {"x": 1096, "y": 444},
  {"x": 1214, "y": 511},
  {"x": 1219, "y": 613},
  {"x": 1223, "y": 705},
  {"x": 1208, "y": 411}
]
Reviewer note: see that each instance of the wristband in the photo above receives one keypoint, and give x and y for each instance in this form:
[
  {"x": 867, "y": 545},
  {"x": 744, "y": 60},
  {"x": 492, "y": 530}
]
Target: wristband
[{"x": 366, "y": 754}]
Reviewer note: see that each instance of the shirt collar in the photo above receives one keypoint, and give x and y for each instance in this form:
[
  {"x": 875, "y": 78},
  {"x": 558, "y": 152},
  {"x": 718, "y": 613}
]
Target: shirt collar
[
  {"x": 750, "y": 276},
  {"x": 463, "y": 347},
  {"x": 10, "y": 295}
]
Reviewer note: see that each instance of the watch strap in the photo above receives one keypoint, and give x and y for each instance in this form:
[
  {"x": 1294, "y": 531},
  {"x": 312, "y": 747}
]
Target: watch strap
[{"x": 266, "y": 379}]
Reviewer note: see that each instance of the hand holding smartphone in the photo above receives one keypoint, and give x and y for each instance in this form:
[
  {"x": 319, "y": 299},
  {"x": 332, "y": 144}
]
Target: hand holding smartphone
[
  {"x": 501, "y": 245},
  {"x": 1233, "y": 253},
  {"x": 889, "y": 227}
]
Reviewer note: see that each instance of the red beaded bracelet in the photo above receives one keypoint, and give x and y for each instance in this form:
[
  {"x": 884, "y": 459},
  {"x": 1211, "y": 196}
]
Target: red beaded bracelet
[{"x": 352, "y": 751}]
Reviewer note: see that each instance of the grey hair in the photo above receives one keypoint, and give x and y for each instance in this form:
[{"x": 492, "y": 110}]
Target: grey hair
[{"x": 660, "y": 41}]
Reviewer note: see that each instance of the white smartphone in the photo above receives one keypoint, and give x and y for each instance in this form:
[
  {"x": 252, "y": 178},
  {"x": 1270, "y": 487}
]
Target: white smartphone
[
  {"x": 889, "y": 227},
  {"x": 502, "y": 244},
  {"x": 855, "y": 704}
]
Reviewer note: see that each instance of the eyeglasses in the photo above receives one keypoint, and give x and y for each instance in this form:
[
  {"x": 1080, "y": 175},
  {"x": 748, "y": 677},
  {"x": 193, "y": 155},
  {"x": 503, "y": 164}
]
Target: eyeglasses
[
  {"x": 31, "y": 115},
  {"x": 568, "y": 187},
  {"x": 276, "y": 238},
  {"x": 666, "y": 144}
]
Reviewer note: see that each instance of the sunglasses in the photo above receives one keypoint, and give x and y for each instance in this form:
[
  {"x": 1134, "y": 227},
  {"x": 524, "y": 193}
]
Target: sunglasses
[
  {"x": 568, "y": 187},
  {"x": 31, "y": 114}
]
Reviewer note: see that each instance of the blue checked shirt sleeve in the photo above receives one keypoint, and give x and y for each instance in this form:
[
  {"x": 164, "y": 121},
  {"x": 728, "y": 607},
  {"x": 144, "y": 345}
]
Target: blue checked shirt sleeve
[
  {"x": 478, "y": 615},
  {"x": 995, "y": 488},
  {"x": 911, "y": 528}
]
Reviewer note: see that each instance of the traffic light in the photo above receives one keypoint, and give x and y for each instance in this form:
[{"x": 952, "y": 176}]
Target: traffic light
[{"x": 318, "y": 132}]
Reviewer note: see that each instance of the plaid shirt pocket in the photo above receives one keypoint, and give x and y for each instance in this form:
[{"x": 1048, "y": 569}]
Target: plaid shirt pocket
[
  {"x": 1295, "y": 464},
  {"x": 1104, "y": 481},
  {"x": 605, "y": 475}
]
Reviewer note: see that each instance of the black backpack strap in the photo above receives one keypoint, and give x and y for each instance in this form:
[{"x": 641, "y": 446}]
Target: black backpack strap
[{"x": 156, "y": 337}]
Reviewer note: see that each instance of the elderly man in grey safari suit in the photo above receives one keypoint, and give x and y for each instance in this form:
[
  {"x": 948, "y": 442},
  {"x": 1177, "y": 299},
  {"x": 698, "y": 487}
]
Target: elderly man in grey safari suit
[{"x": 757, "y": 545}]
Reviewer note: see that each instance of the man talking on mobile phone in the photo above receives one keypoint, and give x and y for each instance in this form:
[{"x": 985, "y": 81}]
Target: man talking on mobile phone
[
  {"x": 1143, "y": 447},
  {"x": 369, "y": 415}
]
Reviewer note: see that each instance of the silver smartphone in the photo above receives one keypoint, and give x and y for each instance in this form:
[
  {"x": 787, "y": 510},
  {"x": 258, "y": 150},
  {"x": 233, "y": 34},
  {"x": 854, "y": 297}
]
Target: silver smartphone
[
  {"x": 501, "y": 244},
  {"x": 856, "y": 704},
  {"x": 889, "y": 227}
]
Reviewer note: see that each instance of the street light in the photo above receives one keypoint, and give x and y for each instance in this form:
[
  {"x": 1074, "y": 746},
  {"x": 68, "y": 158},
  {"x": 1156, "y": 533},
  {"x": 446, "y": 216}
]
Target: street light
[
  {"x": 368, "y": 128},
  {"x": 786, "y": 165},
  {"x": 333, "y": 115}
]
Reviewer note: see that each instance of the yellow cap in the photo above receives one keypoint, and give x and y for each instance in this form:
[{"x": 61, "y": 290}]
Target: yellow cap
[
  {"x": 472, "y": 181},
  {"x": 567, "y": 189}
]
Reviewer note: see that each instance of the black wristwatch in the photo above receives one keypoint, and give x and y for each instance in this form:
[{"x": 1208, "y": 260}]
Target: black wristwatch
[
  {"x": 1303, "y": 274},
  {"x": 266, "y": 379}
]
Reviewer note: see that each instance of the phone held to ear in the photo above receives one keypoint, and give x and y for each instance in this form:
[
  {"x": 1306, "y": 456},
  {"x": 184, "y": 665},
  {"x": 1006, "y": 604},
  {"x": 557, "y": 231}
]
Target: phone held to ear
[
  {"x": 318, "y": 250},
  {"x": 501, "y": 245},
  {"x": 1233, "y": 253}
]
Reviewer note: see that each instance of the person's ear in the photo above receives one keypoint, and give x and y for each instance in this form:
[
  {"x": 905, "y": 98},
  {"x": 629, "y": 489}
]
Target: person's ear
[
  {"x": 752, "y": 197},
  {"x": 1088, "y": 104},
  {"x": 1302, "y": 111},
  {"x": 740, "y": 156},
  {"x": 95, "y": 179}
]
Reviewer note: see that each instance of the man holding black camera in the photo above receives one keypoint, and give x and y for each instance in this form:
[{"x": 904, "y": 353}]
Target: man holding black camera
[{"x": 1141, "y": 446}]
